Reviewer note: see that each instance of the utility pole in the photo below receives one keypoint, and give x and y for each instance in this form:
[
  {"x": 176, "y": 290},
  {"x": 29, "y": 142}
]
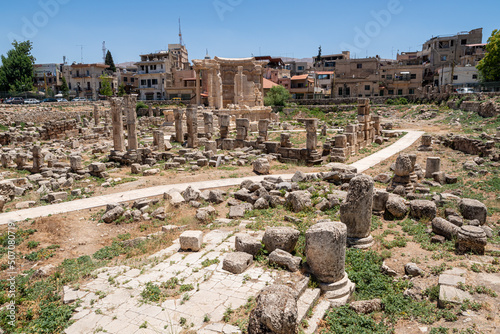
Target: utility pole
[{"x": 180, "y": 33}]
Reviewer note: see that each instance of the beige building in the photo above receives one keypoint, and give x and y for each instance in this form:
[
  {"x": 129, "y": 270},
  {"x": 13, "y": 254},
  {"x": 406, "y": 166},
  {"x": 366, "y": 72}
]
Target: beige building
[
  {"x": 183, "y": 86},
  {"x": 127, "y": 75},
  {"x": 47, "y": 76},
  {"x": 328, "y": 62},
  {"x": 85, "y": 80},
  {"x": 155, "y": 71},
  {"x": 398, "y": 79}
]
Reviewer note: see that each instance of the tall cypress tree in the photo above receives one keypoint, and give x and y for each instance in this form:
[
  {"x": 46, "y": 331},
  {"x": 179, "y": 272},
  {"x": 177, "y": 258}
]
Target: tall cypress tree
[{"x": 109, "y": 61}]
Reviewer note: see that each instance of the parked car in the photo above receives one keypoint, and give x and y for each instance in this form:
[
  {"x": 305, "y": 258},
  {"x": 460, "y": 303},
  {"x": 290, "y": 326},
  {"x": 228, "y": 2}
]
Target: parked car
[
  {"x": 31, "y": 101},
  {"x": 15, "y": 100},
  {"x": 79, "y": 99},
  {"x": 49, "y": 99},
  {"x": 62, "y": 100},
  {"x": 465, "y": 90}
]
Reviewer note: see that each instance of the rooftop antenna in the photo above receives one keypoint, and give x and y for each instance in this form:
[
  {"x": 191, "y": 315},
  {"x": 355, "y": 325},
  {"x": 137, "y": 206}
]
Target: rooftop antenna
[
  {"x": 180, "y": 33},
  {"x": 81, "y": 53},
  {"x": 64, "y": 60},
  {"x": 104, "y": 51}
]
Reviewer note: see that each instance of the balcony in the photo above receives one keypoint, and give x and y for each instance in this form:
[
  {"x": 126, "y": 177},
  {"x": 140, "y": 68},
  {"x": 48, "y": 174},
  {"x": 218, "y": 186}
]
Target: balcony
[
  {"x": 149, "y": 87},
  {"x": 151, "y": 71}
]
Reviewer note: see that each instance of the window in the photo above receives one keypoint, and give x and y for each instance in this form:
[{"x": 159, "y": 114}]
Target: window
[
  {"x": 367, "y": 87},
  {"x": 463, "y": 42},
  {"x": 389, "y": 76},
  {"x": 340, "y": 91},
  {"x": 154, "y": 82},
  {"x": 143, "y": 82},
  {"x": 400, "y": 92},
  {"x": 69, "y": 85},
  {"x": 451, "y": 43},
  {"x": 323, "y": 76},
  {"x": 359, "y": 65},
  {"x": 383, "y": 76},
  {"x": 455, "y": 77},
  {"x": 300, "y": 68},
  {"x": 413, "y": 76},
  {"x": 474, "y": 76},
  {"x": 132, "y": 79},
  {"x": 125, "y": 79},
  {"x": 411, "y": 91},
  {"x": 443, "y": 58},
  {"x": 390, "y": 92}
]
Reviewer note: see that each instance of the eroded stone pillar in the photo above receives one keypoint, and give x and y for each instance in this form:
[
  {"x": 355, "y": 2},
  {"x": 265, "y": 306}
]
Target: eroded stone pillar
[
  {"x": 159, "y": 140},
  {"x": 37, "y": 159},
  {"x": 179, "y": 135},
  {"x": 130, "y": 103},
  {"x": 432, "y": 165},
  {"x": 224, "y": 122},
  {"x": 208, "y": 119},
  {"x": 117, "y": 123},
  {"x": 150, "y": 111},
  {"x": 242, "y": 126},
  {"x": 263, "y": 126},
  {"x": 192, "y": 126},
  {"x": 197, "y": 84},
  {"x": 325, "y": 255},
  {"x": 356, "y": 212},
  {"x": 75, "y": 162},
  {"x": 312, "y": 136},
  {"x": 96, "y": 115},
  {"x": 20, "y": 160}
]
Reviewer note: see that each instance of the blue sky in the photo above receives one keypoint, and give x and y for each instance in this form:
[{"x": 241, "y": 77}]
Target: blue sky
[{"x": 236, "y": 28}]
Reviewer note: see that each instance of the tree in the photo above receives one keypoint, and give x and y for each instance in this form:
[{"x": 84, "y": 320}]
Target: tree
[
  {"x": 106, "y": 89},
  {"x": 64, "y": 88},
  {"x": 16, "y": 73},
  {"x": 318, "y": 58},
  {"x": 489, "y": 66},
  {"x": 277, "y": 96},
  {"x": 109, "y": 61},
  {"x": 121, "y": 90}
]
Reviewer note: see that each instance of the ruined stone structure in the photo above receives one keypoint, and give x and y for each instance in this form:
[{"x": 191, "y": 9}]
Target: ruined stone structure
[
  {"x": 96, "y": 115},
  {"x": 356, "y": 212},
  {"x": 179, "y": 135},
  {"x": 404, "y": 167},
  {"x": 426, "y": 143},
  {"x": 159, "y": 140},
  {"x": 325, "y": 254},
  {"x": 468, "y": 145},
  {"x": 130, "y": 103},
  {"x": 117, "y": 123},
  {"x": 37, "y": 159},
  {"x": 192, "y": 126},
  {"x": 208, "y": 119}
]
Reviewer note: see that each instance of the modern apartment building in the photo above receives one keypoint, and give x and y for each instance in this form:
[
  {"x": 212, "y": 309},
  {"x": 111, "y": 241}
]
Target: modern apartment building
[{"x": 85, "y": 80}]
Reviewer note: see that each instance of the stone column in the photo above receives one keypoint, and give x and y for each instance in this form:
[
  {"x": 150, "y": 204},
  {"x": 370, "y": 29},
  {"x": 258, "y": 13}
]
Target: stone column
[
  {"x": 159, "y": 140},
  {"x": 432, "y": 165},
  {"x": 150, "y": 111},
  {"x": 208, "y": 119},
  {"x": 96, "y": 115},
  {"x": 285, "y": 140},
  {"x": 224, "y": 122},
  {"x": 179, "y": 135},
  {"x": 130, "y": 103},
  {"x": 198, "y": 91},
  {"x": 312, "y": 136},
  {"x": 37, "y": 159},
  {"x": 356, "y": 211},
  {"x": 325, "y": 255},
  {"x": 218, "y": 90},
  {"x": 211, "y": 93},
  {"x": 242, "y": 126},
  {"x": 192, "y": 126},
  {"x": 263, "y": 126},
  {"x": 117, "y": 122}
]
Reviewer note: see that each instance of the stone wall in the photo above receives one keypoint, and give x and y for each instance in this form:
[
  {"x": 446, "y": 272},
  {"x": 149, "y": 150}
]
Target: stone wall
[
  {"x": 38, "y": 116},
  {"x": 468, "y": 145}
]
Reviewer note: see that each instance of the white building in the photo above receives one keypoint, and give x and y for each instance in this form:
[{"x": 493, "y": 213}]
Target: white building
[{"x": 459, "y": 76}]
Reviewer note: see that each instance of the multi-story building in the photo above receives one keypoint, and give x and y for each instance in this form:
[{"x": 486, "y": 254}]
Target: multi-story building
[
  {"x": 459, "y": 76},
  {"x": 328, "y": 62},
  {"x": 152, "y": 71},
  {"x": 127, "y": 75},
  {"x": 397, "y": 79},
  {"x": 183, "y": 85},
  {"x": 298, "y": 67},
  {"x": 302, "y": 86},
  {"x": 441, "y": 51},
  {"x": 155, "y": 71},
  {"x": 48, "y": 76},
  {"x": 85, "y": 80}
]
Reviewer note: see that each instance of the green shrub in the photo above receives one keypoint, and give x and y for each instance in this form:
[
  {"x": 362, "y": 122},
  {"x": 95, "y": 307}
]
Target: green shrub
[{"x": 140, "y": 105}]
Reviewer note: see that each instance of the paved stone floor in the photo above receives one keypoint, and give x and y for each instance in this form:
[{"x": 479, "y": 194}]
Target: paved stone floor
[{"x": 122, "y": 310}]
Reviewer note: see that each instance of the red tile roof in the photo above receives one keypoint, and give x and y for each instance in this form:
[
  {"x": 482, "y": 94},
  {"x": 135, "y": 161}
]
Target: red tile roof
[
  {"x": 268, "y": 84},
  {"x": 300, "y": 77}
]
